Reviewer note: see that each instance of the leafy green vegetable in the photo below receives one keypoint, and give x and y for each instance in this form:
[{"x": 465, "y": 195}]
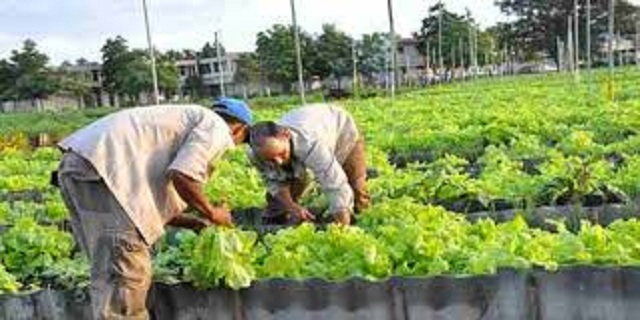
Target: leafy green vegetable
[
  {"x": 28, "y": 249},
  {"x": 8, "y": 283},
  {"x": 223, "y": 255}
]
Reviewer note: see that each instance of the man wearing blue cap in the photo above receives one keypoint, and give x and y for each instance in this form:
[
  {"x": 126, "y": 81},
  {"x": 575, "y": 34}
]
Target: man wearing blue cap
[{"x": 128, "y": 174}]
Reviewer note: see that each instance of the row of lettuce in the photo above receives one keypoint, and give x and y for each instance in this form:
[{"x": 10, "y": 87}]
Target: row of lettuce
[
  {"x": 395, "y": 238},
  {"x": 486, "y": 145},
  {"x": 496, "y": 180},
  {"x": 528, "y": 141}
]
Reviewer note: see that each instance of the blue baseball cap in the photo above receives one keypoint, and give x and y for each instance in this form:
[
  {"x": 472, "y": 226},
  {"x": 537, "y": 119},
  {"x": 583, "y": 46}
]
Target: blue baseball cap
[{"x": 234, "y": 108}]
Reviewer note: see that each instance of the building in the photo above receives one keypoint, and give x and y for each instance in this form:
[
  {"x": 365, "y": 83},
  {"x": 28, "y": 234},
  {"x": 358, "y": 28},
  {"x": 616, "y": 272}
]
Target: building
[
  {"x": 92, "y": 73},
  {"x": 624, "y": 47},
  {"x": 410, "y": 61},
  {"x": 204, "y": 75},
  {"x": 207, "y": 74}
]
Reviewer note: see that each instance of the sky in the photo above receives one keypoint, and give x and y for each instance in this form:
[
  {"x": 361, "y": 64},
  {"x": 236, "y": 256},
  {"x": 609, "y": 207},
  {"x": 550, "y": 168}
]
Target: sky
[{"x": 70, "y": 29}]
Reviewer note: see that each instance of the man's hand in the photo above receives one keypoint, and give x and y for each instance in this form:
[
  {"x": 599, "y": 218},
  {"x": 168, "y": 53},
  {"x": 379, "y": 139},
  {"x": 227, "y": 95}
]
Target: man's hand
[
  {"x": 300, "y": 213},
  {"x": 343, "y": 218},
  {"x": 221, "y": 216},
  {"x": 192, "y": 193},
  {"x": 189, "y": 222}
]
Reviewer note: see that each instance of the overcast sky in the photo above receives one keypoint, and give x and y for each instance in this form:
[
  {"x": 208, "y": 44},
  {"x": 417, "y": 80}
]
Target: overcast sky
[{"x": 69, "y": 29}]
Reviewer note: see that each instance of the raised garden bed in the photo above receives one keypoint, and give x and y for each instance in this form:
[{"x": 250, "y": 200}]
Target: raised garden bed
[{"x": 572, "y": 293}]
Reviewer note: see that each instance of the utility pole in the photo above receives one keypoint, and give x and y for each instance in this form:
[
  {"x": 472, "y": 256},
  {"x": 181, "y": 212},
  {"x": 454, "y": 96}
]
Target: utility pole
[
  {"x": 428, "y": 56},
  {"x": 612, "y": 6},
  {"x": 454, "y": 63},
  {"x": 638, "y": 40},
  {"x": 394, "y": 47},
  {"x": 576, "y": 33},
  {"x": 296, "y": 38},
  {"x": 461, "y": 46},
  {"x": 354, "y": 58},
  {"x": 620, "y": 52},
  {"x": 560, "y": 49},
  {"x": 589, "y": 63},
  {"x": 570, "y": 47},
  {"x": 154, "y": 74},
  {"x": 220, "y": 65},
  {"x": 440, "y": 13}
]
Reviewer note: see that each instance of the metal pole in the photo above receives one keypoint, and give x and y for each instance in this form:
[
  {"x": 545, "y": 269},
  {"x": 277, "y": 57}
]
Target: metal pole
[
  {"x": 461, "y": 46},
  {"x": 475, "y": 51},
  {"x": 220, "y": 65},
  {"x": 620, "y": 52},
  {"x": 576, "y": 34},
  {"x": 470, "y": 44},
  {"x": 560, "y": 54},
  {"x": 296, "y": 38},
  {"x": 570, "y": 53},
  {"x": 637, "y": 40},
  {"x": 354, "y": 57},
  {"x": 394, "y": 47},
  {"x": 428, "y": 56},
  {"x": 433, "y": 61},
  {"x": 440, "y": 58},
  {"x": 454, "y": 61},
  {"x": 610, "y": 93},
  {"x": 154, "y": 74},
  {"x": 589, "y": 63},
  {"x": 611, "y": 34}
]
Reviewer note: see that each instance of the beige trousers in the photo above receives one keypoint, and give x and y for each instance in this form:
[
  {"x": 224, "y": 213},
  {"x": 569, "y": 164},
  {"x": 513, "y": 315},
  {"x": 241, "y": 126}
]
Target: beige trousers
[{"x": 120, "y": 258}]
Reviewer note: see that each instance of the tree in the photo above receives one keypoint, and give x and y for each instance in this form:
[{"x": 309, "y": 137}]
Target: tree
[
  {"x": 136, "y": 78},
  {"x": 128, "y": 72},
  {"x": 115, "y": 64},
  {"x": 7, "y": 81},
  {"x": 209, "y": 50},
  {"x": 82, "y": 62},
  {"x": 189, "y": 54},
  {"x": 455, "y": 28},
  {"x": 175, "y": 55},
  {"x": 32, "y": 78},
  {"x": 276, "y": 53},
  {"x": 333, "y": 54},
  {"x": 168, "y": 74},
  {"x": 372, "y": 50},
  {"x": 195, "y": 86},
  {"x": 247, "y": 70},
  {"x": 538, "y": 22},
  {"x": 73, "y": 83}
]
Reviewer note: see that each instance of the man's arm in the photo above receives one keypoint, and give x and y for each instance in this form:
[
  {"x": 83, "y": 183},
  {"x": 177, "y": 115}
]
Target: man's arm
[
  {"x": 283, "y": 195},
  {"x": 333, "y": 180},
  {"x": 191, "y": 191},
  {"x": 279, "y": 190}
]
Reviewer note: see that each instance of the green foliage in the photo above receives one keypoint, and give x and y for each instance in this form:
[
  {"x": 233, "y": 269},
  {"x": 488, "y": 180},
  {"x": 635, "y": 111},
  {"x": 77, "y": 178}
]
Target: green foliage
[
  {"x": 337, "y": 253},
  {"x": 28, "y": 76},
  {"x": 173, "y": 256},
  {"x": 477, "y": 142},
  {"x": 235, "y": 183},
  {"x": 536, "y": 23},
  {"x": 68, "y": 274},
  {"x": 223, "y": 256},
  {"x": 276, "y": 52},
  {"x": 333, "y": 53},
  {"x": 8, "y": 283},
  {"x": 28, "y": 249}
]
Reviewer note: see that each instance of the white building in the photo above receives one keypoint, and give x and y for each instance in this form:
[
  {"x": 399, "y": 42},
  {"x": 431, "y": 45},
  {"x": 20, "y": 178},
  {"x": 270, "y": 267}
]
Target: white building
[{"x": 210, "y": 72}]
